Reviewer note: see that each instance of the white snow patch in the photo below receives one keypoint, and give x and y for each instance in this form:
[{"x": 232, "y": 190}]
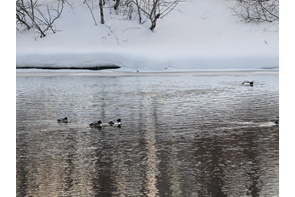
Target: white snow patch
[{"x": 202, "y": 34}]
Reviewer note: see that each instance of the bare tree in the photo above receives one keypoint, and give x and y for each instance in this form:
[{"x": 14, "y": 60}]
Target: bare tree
[
  {"x": 257, "y": 11},
  {"x": 94, "y": 4},
  {"x": 31, "y": 14},
  {"x": 154, "y": 9},
  {"x": 91, "y": 6},
  {"x": 101, "y": 3},
  {"x": 117, "y": 4},
  {"x": 138, "y": 11},
  {"x": 129, "y": 9}
]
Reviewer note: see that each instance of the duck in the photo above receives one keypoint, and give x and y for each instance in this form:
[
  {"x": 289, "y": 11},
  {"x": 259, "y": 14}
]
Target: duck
[
  {"x": 100, "y": 124},
  {"x": 116, "y": 124},
  {"x": 250, "y": 83},
  {"x": 63, "y": 120},
  {"x": 97, "y": 124},
  {"x": 105, "y": 124}
]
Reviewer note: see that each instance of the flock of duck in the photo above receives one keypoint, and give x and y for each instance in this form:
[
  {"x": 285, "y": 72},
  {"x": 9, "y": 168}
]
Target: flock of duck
[{"x": 98, "y": 124}]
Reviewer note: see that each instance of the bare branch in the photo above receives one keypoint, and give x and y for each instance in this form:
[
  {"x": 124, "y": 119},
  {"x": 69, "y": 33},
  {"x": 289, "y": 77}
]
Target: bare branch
[
  {"x": 91, "y": 10},
  {"x": 257, "y": 11},
  {"x": 41, "y": 17}
]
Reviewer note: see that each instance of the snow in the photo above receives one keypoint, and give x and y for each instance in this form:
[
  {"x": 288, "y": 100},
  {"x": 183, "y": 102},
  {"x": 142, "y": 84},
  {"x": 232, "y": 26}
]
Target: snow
[{"x": 200, "y": 34}]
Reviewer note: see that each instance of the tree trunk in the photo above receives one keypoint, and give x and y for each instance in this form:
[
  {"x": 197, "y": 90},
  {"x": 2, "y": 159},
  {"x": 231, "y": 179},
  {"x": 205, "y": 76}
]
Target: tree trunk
[
  {"x": 153, "y": 25},
  {"x": 23, "y": 22},
  {"x": 138, "y": 10},
  {"x": 42, "y": 34},
  {"x": 117, "y": 4},
  {"x": 154, "y": 22},
  {"x": 101, "y": 11}
]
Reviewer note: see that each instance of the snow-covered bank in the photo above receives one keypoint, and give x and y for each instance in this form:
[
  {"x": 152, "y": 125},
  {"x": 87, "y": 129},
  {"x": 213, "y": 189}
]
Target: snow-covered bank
[
  {"x": 202, "y": 34},
  {"x": 108, "y": 73},
  {"x": 129, "y": 62}
]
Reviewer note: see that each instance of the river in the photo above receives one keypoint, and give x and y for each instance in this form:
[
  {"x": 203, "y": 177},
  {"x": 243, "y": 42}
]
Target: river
[{"x": 181, "y": 135}]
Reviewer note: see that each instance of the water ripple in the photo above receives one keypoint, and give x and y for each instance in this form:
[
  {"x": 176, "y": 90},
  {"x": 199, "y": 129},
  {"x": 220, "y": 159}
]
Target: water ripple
[{"x": 181, "y": 136}]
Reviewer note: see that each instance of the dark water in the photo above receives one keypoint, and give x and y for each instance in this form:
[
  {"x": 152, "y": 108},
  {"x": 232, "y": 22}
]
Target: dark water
[{"x": 181, "y": 136}]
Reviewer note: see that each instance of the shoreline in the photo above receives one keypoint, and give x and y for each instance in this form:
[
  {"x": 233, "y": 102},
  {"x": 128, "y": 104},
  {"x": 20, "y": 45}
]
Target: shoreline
[
  {"x": 45, "y": 73},
  {"x": 70, "y": 68}
]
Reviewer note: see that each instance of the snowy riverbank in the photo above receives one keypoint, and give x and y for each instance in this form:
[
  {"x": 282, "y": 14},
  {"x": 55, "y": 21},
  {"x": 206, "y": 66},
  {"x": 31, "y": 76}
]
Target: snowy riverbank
[
  {"x": 197, "y": 35},
  {"x": 109, "y": 73}
]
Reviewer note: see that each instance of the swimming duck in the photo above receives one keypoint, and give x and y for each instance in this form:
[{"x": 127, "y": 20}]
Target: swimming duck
[
  {"x": 105, "y": 124},
  {"x": 250, "y": 83},
  {"x": 116, "y": 124},
  {"x": 97, "y": 124},
  {"x": 100, "y": 124},
  {"x": 62, "y": 120}
]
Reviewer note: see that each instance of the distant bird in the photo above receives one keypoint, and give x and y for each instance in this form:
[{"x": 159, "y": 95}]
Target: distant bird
[
  {"x": 97, "y": 124},
  {"x": 62, "y": 120},
  {"x": 100, "y": 124},
  {"x": 116, "y": 124},
  {"x": 265, "y": 42},
  {"x": 137, "y": 71},
  {"x": 277, "y": 122},
  {"x": 250, "y": 83}
]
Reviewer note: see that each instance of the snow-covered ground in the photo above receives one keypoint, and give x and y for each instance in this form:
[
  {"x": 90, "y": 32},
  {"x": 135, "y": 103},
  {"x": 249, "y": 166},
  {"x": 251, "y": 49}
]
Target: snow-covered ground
[{"x": 199, "y": 34}]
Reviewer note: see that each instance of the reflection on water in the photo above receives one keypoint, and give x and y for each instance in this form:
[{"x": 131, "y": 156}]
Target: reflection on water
[{"x": 181, "y": 136}]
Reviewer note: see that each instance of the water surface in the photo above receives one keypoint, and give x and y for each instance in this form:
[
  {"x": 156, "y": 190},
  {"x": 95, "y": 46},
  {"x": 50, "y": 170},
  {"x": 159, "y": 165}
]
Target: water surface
[{"x": 181, "y": 136}]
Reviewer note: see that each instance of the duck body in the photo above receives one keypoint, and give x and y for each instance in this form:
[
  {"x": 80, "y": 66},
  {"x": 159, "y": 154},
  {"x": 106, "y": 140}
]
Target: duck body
[
  {"x": 97, "y": 124},
  {"x": 116, "y": 124},
  {"x": 100, "y": 124},
  {"x": 105, "y": 124},
  {"x": 62, "y": 120},
  {"x": 250, "y": 83}
]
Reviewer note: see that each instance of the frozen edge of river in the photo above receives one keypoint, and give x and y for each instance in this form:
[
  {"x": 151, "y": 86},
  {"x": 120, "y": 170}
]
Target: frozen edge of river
[{"x": 21, "y": 72}]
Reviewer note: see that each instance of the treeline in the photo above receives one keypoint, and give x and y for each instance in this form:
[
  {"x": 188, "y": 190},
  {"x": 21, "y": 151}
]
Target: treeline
[
  {"x": 42, "y": 14},
  {"x": 32, "y": 14},
  {"x": 257, "y": 11}
]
